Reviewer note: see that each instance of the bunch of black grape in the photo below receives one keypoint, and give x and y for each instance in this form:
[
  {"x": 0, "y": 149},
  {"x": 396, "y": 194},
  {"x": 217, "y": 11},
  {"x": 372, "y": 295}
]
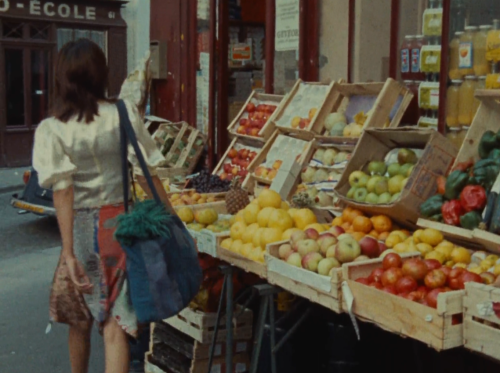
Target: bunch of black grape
[{"x": 205, "y": 182}]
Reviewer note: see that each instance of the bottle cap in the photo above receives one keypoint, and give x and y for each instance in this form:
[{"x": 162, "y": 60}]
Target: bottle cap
[
  {"x": 470, "y": 77},
  {"x": 471, "y": 28},
  {"x": 485, "y": 27},
  {"x": 457, "y": 81},
  {"x": 459, "y": 33}
]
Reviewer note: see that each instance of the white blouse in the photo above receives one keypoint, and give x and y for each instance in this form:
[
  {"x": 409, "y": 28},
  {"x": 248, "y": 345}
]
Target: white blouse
[{"x": 87, "y": 156}]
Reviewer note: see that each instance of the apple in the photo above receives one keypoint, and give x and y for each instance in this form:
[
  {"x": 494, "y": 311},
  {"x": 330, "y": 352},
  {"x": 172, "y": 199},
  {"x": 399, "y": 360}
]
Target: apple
[
  {"x": 272, "y": 174},
  {"x": 259, "y": 115},
  {"x": 435, "y": 279},
  {"x": 295, "y": 122},
  {"x": 370, "y": 186},
  {"x": 350, "y": 193},
  {"x": 271, "y": 108},
  {"x": 347, "y": 250},
  {"x": 223, "y": 176},
  {"x": 369, "y": 247},
  {"x": 304, "y": 123},
  {"x": 395, "y": 197},
  {"x": 337, "y": 231},
  {"x": 277, "y": 164},
  {"x": 311, "y": 261},
  {"x": 393, "y": 169},
  {"x": 432, "y": 297},
  {"x": 330, "y": 252},
  {"x": 360, "y": 194},
  {"x": 307, "y": 246},
  {"x": 244, "y": 164},
  {"x": 284, "y": 251},
  {"x": 358, "y": 179},
  {"x": 250, "y": 108},
  {"x": 296, "y": 237},
  {"x": 261, "y": 172},
  {"x": 371, "y": 198},
  {"x": 415, "y": 268},
  {"x": 312, "y": 233},
  {"x": 377, "y": 168},
  {"x": 344, "y": 236},
  {"x": 407, "y": 156},
  {"x": 361, "y": 258},
  {"x": 403, "y": 170},
  {"x": 232, "y": 153},
  {"x": 261, "y": 108},
  {"x": 227, "y": 167},
  {"x": 326, "y": 265},
  {"x": 295, "y": 260},
  {"x": 395, "y": 184},
  {"x": 382, "y": 249},
  {"x": 391, "y": 276},
  {"x": 382, "y": 186},
  {"x": 384, "y": 198},
  {"x": 242, "y": 130},
  {"x": 325, "y": 241},
  {"x": 243, "y": 173}
]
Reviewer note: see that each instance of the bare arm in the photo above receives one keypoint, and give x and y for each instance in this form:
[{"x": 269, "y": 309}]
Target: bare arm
[{"x": 159, "y": 189}]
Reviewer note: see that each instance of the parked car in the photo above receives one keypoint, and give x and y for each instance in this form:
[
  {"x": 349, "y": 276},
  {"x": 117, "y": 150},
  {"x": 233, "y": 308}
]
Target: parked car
[{"x": 34, "y": 198}]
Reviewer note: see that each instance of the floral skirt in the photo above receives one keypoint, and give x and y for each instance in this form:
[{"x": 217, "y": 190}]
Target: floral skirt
[{"x": 105, "y": 264}]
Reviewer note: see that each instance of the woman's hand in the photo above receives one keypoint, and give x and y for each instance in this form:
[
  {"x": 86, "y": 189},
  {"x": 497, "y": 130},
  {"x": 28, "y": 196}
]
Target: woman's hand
[{"x": 78, "y": 276}]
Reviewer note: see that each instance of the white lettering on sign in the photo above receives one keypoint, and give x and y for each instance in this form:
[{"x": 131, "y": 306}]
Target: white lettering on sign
[
  {"x": 4, "y": 5},
  {"x": 48, "y": 9},
  {"x": 90, "y": 13},
  {"x": 287, "y": 25},
  {"x": 64, "y": 10},
  {"x": 78, "y": 16},
  {"x": 35, "y": 8}
]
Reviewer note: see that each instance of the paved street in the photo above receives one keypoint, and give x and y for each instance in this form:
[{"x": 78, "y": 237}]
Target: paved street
[{"x": 28, "y": 255}]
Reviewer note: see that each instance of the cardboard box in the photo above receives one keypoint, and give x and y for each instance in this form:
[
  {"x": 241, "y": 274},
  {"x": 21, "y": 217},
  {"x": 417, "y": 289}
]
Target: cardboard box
[{"x": 438, "y": 155}]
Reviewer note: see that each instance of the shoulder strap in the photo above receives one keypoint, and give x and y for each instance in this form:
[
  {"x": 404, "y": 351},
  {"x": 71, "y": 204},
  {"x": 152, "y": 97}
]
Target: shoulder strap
[{"x": 127, "y": 134}]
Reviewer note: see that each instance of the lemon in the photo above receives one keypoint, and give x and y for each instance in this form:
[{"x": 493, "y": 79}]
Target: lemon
[
  {"x": 460, "y": 255},
  {"x": 424, "y": 248},
  {"x": 226, "y": 244},
  {"x": 431, "y": 236},
  {"x": 440, "y": 257}
]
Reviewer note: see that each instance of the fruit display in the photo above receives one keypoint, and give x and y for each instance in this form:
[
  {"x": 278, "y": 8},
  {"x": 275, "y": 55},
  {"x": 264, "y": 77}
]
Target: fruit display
[
  {"x": 141, "y": 195},
  {"x": 267, "y": 220},
  {"x": 191, "y": 197},
  {"x": 283, "y": 147},
  {"x": 383, "y": 181},
  {"x": 236, "y": 161},
  {"x": 467, "y": 191},
  {"x": 204, "y": 219},
  {"x": 303, "y": 106},
  {"x": 420, "y": 280},
  {"x": 205, "y": 182},
  {"x": 256, "y": 115}
]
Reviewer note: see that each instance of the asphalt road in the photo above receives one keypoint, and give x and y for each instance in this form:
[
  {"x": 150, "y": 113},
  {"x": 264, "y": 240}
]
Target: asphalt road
[{"x": 29, "y": 250}]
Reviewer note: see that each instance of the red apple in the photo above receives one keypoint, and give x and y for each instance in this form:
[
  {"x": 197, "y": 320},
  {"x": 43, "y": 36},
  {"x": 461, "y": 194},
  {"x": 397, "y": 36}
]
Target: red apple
[
  {"x": 381, "y": 248},
  {"x": 304, "y": 123},
  {"x": 415, "y": 268},
  {"x": 470, "y": 277},
  {"x": 312, "y": 233},
  {"x": 252, "y": 155},
  {"x": 235, "y": 171},
  {"x": 435, "y": 279},
  {"x": 242, "y": 130},
  {"x": 261, "y": 108},
  {"x": 250, "y": 107},
  {"x": 454, "y": 279},
  {"x": 254, "y": 132},
  {"x": 227, "y": 167},
  {"x": 406, "y": 285},
  {"x": 432, "y": 297},
  {"x": 244, "y": 122},
  {"x": 392, "y": 260},
  {"x": 244, "y": 164},
  {"x": 271, "y": 109},
  {"x": 369, "y": 247},
  {"x": 446, "y": 270},
  {"x": 376, "y": 275},
  {"x": 223, "y": 176},
  {"x": 391, "y": 276},
  {"x": 432, "y": 264},
  {"x": 243, "y": 173},
  {"x": 337, "y": 231},
  {"x": 232, "y": 153},
  {"x": 414, "y": 296},
  {"x": 423, "y": 290},
  {"x": 259, "y": 115}
]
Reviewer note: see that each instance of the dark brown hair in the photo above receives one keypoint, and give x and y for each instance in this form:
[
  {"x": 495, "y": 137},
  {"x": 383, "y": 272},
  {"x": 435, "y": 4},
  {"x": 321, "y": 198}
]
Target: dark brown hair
[{"x": 81, "y": 81}]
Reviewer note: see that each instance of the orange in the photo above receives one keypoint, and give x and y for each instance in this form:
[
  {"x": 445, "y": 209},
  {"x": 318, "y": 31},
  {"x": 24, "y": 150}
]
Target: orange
[
  {"x": 362, "y": 224},
  {"x": 338, "y": 221},
  {"x": 358, "y": 236},
  {"x": 346, "y": 213},
  {"x": 346, "y": 226},
  {"x": 374, "y": 234},
  {"x": 350, "y": 214},
  {"x": 381, "y": 223},
  {"x": 383, "y": 236},
  {"x": 350, "y": 230}
]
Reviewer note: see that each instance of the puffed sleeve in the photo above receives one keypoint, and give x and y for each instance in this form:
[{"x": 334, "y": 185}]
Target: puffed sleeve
[
  {"x": 150, "y": 151},
  {"x": 50, "y": 161}
]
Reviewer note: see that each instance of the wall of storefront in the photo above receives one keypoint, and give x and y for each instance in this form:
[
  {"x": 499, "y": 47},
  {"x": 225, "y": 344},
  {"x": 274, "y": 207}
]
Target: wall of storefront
[{"x": 137, "y": 15}]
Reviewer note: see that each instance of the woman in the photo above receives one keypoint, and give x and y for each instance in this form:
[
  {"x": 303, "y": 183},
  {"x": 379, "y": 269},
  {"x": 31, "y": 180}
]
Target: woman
[{"x": 77, "y": 154}]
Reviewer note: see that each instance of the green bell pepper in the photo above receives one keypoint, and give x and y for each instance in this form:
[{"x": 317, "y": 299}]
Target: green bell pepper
[
  {"x": 471, "y": 220},
  {"x": 486, "y": 171},
  {"x": 432, "y": 206},
  {"x": 455, "y": 182},
  {"x": 494, "y": 154},
  {"x": 488, "y": 142}
]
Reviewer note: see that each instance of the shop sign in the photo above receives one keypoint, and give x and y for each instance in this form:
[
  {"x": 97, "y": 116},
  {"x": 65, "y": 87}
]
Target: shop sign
[
  {"x": 287, "y": 25},
  {"x": 57, "y": 10},
  {"x": 241, "y": 52}
]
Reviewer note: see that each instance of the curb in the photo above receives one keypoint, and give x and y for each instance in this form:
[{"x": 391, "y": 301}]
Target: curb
[{"x": 11, "y": 188}]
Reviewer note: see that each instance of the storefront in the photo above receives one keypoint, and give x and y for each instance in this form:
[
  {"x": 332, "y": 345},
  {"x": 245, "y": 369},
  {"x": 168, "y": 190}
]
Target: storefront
[{"x": 31, "y": 33}]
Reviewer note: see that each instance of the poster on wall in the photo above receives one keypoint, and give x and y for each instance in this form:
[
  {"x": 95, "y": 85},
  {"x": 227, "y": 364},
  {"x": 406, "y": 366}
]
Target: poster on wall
[{"x": 287, "y": 25}]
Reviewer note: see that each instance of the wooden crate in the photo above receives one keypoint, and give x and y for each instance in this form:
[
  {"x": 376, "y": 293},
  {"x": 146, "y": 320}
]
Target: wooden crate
[
  {"x": 200, "y": 325},
  {"x": 267, "y": 131},
  {"x": 237, "y": 260},
  {"x": 174, "y": 175},
  {"x": 433, "y": 327},
  {"x": 460, "y": 236},
  {"x": 481, "y": 324},
  {"x": 238, "y": 144},
  {"x": 306, "y": 284},
  {"x": 219, "y": 206},
  {"x": 207, "y": 241},
  {"x": 305, "y": 133},
  {"x": 389, "y": 101},
  {"x": 163, "y": 334},
  {"x": 186, "y": 149}
]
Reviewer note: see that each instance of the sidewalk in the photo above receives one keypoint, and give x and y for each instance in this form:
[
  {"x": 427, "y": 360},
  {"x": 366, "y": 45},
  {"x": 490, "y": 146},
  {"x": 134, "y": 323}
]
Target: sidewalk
[{"x": 11, "y": 179}]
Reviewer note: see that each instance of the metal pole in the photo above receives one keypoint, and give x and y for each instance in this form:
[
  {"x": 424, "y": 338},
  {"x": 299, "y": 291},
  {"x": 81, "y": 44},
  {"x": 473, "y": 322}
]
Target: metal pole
[
  {"x": 273, "y": 333},
  {"x": 216, "y": 329},
  {"x": 260, "y": 332},
  {"x": 229, "y": 319}
]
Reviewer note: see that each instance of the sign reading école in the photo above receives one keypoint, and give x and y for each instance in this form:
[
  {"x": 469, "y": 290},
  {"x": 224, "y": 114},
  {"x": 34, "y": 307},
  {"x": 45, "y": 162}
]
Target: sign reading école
[
  {"x": 51, "y": 9},
  {"x": 287, "y": 25}
]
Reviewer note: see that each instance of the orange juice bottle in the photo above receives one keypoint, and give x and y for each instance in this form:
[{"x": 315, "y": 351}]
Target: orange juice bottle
[
  {"x": 466, "y": 51},
  {"x": 454, "y": 57},
  {"x": 493, "y": 42},
  {"x": 481, "y": 65},
  {"x": 452, "y": 104},
  {"x": 493, "y": 78},
  {"x": 466, "y": 101}
]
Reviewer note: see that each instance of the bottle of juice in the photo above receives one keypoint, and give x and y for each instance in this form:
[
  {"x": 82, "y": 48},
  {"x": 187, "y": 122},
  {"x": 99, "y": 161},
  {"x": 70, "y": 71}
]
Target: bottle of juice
[
  {"x": 433, "y": 19},
  {"x": 454, "y": 57},
  {"x": 481, "y": 84},
  {"x": 466, "y": 101},
  {"x": 481, "y": 65},
  {"x": 417, "y": 45},
  {"x": 452, "y": 104},
  {"x": 406, "y": 57},
  {"x": 493, "y": 42},
  {"x": 493, "y": 78},
  {"x": 466, "y": 51}
]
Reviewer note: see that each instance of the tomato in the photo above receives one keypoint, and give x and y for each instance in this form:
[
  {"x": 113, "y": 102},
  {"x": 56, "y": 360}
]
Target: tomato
[
  {"x": 377, "y": 285},
  {"x": 406, "y": 285},
  {"x": 391, "y": 289},
  {"x": 392, "y": 260},
  {"x": 454, "y": 279},
  {"x": 470, "y": 277},
  {"x": 445, "y": 270},
  {"x": 376, "y": 275},
  {"x": 423, "y": 290},
  {"x": 415, "y": 268},
  {"x": 432, "y": 264},
  {"x": 250, "y": 107},
  {"x": 435, "y": 279},
  {"x": 432, "y": 297},
  {"x": 363, "y": 281},
  {"x": 391, "y": 276},
  {"x": 414, "y": 296}
]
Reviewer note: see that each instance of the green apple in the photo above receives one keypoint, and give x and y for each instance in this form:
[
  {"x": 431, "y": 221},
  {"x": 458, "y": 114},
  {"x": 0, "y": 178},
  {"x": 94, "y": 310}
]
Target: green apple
[
  {"x": 360, "y": 194},
  {"x": 403, "y": 183},
  {"x": 403, "y": 170},
  {"x": 358, "y": 179},
  {"x": 395, "y": 197},
  {"x": 395, "y": 184},
  {"x": 372, "y": 183},
  {"x": 377, "y": 168},
  {"x": 407, "y": 156},
  {"x": 382, "y": 186},
  {"x": 384, "y": 198},
  {"x": 350, "y": 193},
  {"x": 410, "y": 170},
  {"x": 372, "y": 198},
  {"x": 393, "y": 169}
]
